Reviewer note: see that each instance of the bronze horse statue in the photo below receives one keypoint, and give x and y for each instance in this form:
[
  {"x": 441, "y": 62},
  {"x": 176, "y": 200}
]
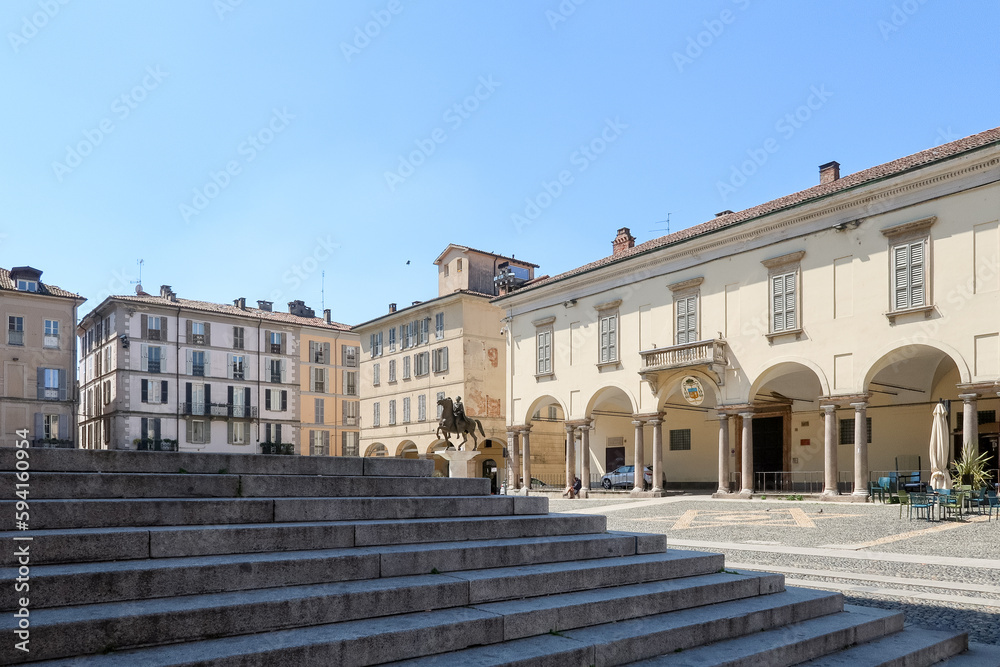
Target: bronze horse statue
[{"x": 465, "y": 427}]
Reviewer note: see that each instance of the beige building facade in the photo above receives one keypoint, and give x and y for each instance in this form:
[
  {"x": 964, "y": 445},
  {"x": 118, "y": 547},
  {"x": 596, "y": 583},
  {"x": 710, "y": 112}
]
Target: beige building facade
[
  {"x": 800, "y": 344},
  {"x": 38, "y": 351},
  {"x": 446, "y": 347}
]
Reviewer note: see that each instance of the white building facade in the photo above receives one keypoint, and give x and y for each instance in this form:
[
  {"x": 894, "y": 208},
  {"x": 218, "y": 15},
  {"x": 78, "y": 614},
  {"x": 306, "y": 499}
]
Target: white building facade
[{"x": 799, "y": 344}]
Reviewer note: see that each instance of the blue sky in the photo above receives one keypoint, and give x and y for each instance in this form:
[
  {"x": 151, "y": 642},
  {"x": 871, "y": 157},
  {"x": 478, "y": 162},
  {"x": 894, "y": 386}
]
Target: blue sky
[{"x": 241, "y": 148}]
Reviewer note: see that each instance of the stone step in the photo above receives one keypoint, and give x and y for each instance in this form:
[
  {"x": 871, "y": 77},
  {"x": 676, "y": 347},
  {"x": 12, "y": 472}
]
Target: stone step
[
  {"x": 787, "y": 645},
  {"x": 978, "y": 655},
  {"x": 144, "y": 512},
  {"x": 89, "y": 628},
  {"x": 82, "y": 485},
  {"x": 627, "y": 641},
  {"x": 911, "y": 647},
  {"x": 76, "y": 584},
  {"x": 124, "y": 461}
]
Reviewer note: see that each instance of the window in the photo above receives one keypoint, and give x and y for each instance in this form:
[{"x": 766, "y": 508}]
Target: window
[
  {"x": 440, "y": 408},
  {"x": 151, "y": 357},
  {"x": 240, "y": 400},
  {"x": 197, "y": 431},
  {"x": 440, "y": 360},
  {"x": 376, "y": 416},
  {"x": 350, "y": 410},
  {"x": 276, "y": 340},
  {"x": 609, "y": 338},
  {"x": 149, "y": 429},
  {"x": 411, "y": 334},
  {"x": 392, "y": 339},
  {"x": 350, "y": 356},
  {"x": 238, "y": 338},
  {"x": 421, "y": 408},
  {"x": 424, "y": 327},
  {"x": 421, "y": 364},
  {"x": 154, "y": 328},
  {"x": 406, "y": 410},
  {"x": 197, "y": 394},
  {"x": 52, "y": 385},
  {"x": 553, "y": 413},
  {"x": 446, "y": 271},
  {"x": 51, "y": 333},
  {"x": 319, "y": 379},
  {"x": 319, "y": 443},
  {"x": 106, "y": 391},
  {"x": 238, "y": 366},
  {"x": 277, "y": 370},
  {"x": 686, "y": 313},
  {"x": 847, "y": 430},
  {"x": 320, "y": 410},
  {"x": 197, "y": 333},
  {"x": 153, "y": 391},
  {"x": 376, "y": 344},
  {"x": 544, "y": 337},
  {"x": 276, "y": 400},
  {"x": 377, "y": 374},
  {"x": 392, "y": 370},
  {"x": 351, "y": 383},
  {"x": 319, "y": 353},
  {"x": 349, "y": 443},
  {"x": 406, "y": 367},
  {"x": 439, "y": 326},
  {"x": 783, "y": 301},
  {"x": 108, "y": 353},
  {"x": 15, "y": 330},
  {"x": 680, "y": 439},
  {"x": 238, "y": 433},
  {"x": 198, "y": 363},
  {"x": 908, "y": 275},
  {"x": 50, "y": 425},
  {"x": 27, "y": 286},
  {"x": 458, "y": 266},
  {"x": 392, "y": 412}
]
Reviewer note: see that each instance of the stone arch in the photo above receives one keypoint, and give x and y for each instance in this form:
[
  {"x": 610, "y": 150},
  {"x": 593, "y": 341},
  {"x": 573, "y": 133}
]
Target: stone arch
[
  {"x": 377, "y": 449},
  {"x": 607, "y": 392},
  {"x": 438, "y": 444},
  {"x": 407, "y": 449},
  {"x": 784, "y": 365},
  {"x": 671, "y": 386},
  {"x": 905, "y": 350},
  {"x": 540, "y": 402}
]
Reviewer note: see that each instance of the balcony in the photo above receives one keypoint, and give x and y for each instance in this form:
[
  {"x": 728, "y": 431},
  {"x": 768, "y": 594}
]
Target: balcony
[
  {"x": 197, "y": 339},
  {"x": 15, "y": 338},
  {"x": 707, "y": 354},
  {"x": 285, "y": 448},
  {"x": 52, "y": 443},
  {"x": 50, "y": 341},
  {"x": 153, "y": 334},
  {"x": 155, "y": 445},
  {"x": 196, "y": 409}
]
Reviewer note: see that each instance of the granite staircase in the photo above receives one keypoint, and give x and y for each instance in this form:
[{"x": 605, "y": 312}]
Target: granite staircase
[{"x": 146, "y": 558}]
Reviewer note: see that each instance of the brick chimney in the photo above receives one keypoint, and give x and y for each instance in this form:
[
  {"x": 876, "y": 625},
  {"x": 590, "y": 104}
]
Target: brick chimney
[
  {"x": 622, "y": 242},
  {"x": 326, "y": 316},
  {"x": 392, "y": 308},
  {"x": 167, "y": 293},
  {"x": 829, "y": 172},
  {"x": 264, "y": 305}
]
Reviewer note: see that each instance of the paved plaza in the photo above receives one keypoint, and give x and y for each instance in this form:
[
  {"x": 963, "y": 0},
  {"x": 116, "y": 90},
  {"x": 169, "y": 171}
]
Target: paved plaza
[{"x": 943, "y": 574}]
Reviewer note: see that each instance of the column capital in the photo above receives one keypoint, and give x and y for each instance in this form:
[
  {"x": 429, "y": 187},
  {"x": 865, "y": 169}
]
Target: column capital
[
  {"x": 654, "y": 421},
  {"x": 859, "y": 406},
  {"x": 829, "y": 409},
  {"x": 569, "y": 427},
  {"x": 746, "y": 415},
  {"x": 969, "y": 398},
  {"x": 638, "y": 422}
]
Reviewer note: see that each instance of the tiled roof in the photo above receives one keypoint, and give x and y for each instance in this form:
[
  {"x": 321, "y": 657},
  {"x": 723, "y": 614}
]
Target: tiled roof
[
  {"x": 422, "y": 304},
  {"x": 921, "y": 159},
  {"x": 483, "y": 252},
  {"x": 226, "y": 309},
  {"x": 43, "y": 288}
]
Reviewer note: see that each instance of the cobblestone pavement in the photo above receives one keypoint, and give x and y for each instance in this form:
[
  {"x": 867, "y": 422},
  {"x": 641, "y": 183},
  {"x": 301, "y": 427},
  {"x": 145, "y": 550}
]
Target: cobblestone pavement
[{"x": 943, "y": 574}]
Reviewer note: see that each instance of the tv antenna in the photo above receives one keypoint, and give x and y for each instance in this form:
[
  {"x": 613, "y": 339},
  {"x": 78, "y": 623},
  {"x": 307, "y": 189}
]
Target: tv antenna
[
  {"x": 662, "y": 222},
  {"x": 322, "y": 289},
  {"x": 139, "y": 281}
]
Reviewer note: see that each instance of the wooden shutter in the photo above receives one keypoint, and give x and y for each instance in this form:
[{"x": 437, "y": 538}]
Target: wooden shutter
[
  {"x": 283, "y": 365},
  {"x": 61, "y": 374},
  {"x": 284, "y": 343},
  {"x": 64, "y": 427},
  {"x": 312, "y": 351},
  {"x": 188, "y": 358},
  {"x": 208, "y": 333},
  {"x": 326, "y": 353},
  {"x": 687, "y": 320},
  {"x": 229, "y": 399},
  {"x": 143, "y": 326},
  {"x": 187, "y": 330},
  {"x": 144, "y": 391},
  {"x": 190, "y": 429},
  {"x": 246, "y": 401},
  {"x": 156, "y": 428},
  {"x": 917, "y": 274},
  {"x": 39, "y": 426},
  {"x": 284, "y": 400},
  {"x": 229, "y": 366},
  {"x": 206, "y": 356},
  {"x": 789, "y": 301},
  {"x": 777, "y": 303},
  {"x": 267, "y": 399},
  {"x": 163, "y": 328},
  {"x": 143, "y": 427},
  {"x": 187, "y": 395},
  {"x": 163, "y": 391},
  {"x": 40, "y": 383},
  {"x": 144, "y": 357},
  {"x": 229, "y": 431}
]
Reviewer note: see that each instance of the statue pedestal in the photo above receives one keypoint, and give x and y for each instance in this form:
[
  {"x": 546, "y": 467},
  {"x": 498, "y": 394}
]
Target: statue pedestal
[{"x": 459, "y": 463}]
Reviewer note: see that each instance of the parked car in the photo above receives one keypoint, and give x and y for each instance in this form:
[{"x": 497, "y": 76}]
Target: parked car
[
  {"x": 624, "y": 476},
  {"x": 539, "y": 484}
]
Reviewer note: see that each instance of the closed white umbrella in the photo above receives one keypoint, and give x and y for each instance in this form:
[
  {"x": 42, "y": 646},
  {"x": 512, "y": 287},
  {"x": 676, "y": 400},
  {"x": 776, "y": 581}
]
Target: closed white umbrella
[{"x": 940, "y": 479}]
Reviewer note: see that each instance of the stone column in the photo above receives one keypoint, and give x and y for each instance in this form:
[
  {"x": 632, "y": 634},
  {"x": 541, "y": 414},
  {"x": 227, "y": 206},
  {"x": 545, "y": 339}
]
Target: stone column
[
  {"x": 570, "y": 454},
  {"x": 640, "y": 464},
  {"x": 830, "y": 466},
  {"x": 746, "y": 475},
  {"x": 526, "y": 456},
  {"x": 657, "y": 425},
  {"x": 723, "y": 453},
  {"x": 970, "y": 422},
  {"x": 585, "y": 454},
  {"x": 515, "y": 464},
  {"x": 860, "y": 449}
]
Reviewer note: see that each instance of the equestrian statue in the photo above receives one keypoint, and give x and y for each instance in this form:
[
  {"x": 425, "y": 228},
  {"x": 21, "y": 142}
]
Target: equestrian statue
[{"x": 454, "y": 420}]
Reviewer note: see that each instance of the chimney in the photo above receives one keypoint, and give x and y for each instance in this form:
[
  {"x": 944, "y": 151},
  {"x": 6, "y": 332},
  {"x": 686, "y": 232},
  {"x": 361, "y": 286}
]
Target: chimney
[
  {"x": 264, "y": 305},
  {"x": 392, "y": 308},
  {"x": 240, "y": 303},
  {"x": 326, "y": 316},
  {"x": 416, "y": 303},
  {"x": 829, "y": 172},
  {"x": 722, "y": 213},
  {"x": 622, "y": 242},
  {"x": 167, "y": 293}
]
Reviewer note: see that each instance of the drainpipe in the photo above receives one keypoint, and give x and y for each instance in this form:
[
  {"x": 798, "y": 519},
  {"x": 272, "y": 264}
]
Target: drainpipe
[
  {"x": 177, "y": 377},
  {"x": 260, "y": 360}
]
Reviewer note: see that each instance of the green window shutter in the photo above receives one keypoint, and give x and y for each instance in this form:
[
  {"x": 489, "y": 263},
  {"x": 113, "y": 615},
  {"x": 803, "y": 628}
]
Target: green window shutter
[
  {"x": 187, "y": 331},
  {"x": 144, "y": 326}
]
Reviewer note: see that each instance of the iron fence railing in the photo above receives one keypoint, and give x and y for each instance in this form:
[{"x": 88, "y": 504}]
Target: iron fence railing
[{"x": 812, "y": 481}]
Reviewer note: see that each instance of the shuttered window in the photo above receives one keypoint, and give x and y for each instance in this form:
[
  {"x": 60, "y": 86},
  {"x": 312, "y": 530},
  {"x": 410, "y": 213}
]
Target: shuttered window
[
  {"x": 609, "y": 338},
  {"x": 908, "y": 275},
  {"x": 421, "y": 408},
  {"x": 687, "y": 319},
  {"x": 783, "y": 302},
  {"x": 544, "y": 352}
]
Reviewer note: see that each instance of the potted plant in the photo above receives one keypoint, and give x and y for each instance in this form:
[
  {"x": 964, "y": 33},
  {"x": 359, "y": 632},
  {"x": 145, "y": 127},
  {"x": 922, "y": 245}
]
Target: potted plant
[{"x": 971, "y": 469}]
